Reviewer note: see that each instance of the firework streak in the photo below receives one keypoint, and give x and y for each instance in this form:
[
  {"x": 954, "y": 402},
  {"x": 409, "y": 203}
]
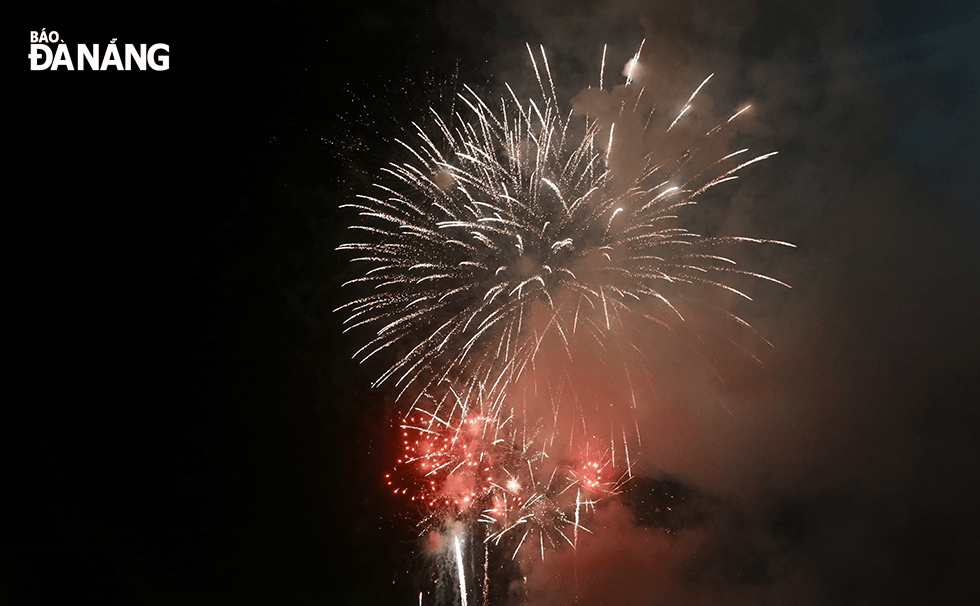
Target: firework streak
[{"x": 507, "y": 252}]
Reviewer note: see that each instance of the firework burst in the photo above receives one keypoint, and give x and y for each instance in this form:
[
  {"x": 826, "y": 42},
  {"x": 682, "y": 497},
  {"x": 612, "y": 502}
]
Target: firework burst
[
  {"x": 510, "y": 254},
  {"x": 506, "y": 233},
  {"x": 487, "y": 494},
  {"x": 469, "y": 465}
]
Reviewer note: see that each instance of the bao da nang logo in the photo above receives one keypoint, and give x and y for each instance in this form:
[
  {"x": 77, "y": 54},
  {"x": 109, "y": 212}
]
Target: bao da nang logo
[{"x": 50, "y": 52}]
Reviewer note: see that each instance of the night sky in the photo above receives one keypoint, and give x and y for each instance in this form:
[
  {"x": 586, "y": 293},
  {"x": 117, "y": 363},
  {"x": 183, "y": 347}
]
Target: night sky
[{"x": 188, "y": 427}]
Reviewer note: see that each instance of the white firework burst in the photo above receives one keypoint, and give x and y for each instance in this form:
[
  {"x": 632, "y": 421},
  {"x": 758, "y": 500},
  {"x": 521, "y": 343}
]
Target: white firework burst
[{"x": 505, "y": 231}]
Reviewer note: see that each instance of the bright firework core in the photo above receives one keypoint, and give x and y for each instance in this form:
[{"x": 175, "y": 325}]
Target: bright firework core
[{"x": 516, "y": 252}]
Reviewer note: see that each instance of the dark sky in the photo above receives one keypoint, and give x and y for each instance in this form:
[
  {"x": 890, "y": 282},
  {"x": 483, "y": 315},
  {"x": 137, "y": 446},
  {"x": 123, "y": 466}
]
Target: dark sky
[{"x": 188, "y": 428}]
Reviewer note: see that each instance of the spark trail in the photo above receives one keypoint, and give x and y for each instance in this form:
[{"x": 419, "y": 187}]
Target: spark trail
[{"x": 460, "y": 571}]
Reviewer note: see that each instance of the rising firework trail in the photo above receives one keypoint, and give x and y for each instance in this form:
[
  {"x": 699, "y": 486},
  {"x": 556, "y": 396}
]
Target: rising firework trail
[
  {"x": 460, "y": 570},
  {"x": 510, "y": 247}
]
